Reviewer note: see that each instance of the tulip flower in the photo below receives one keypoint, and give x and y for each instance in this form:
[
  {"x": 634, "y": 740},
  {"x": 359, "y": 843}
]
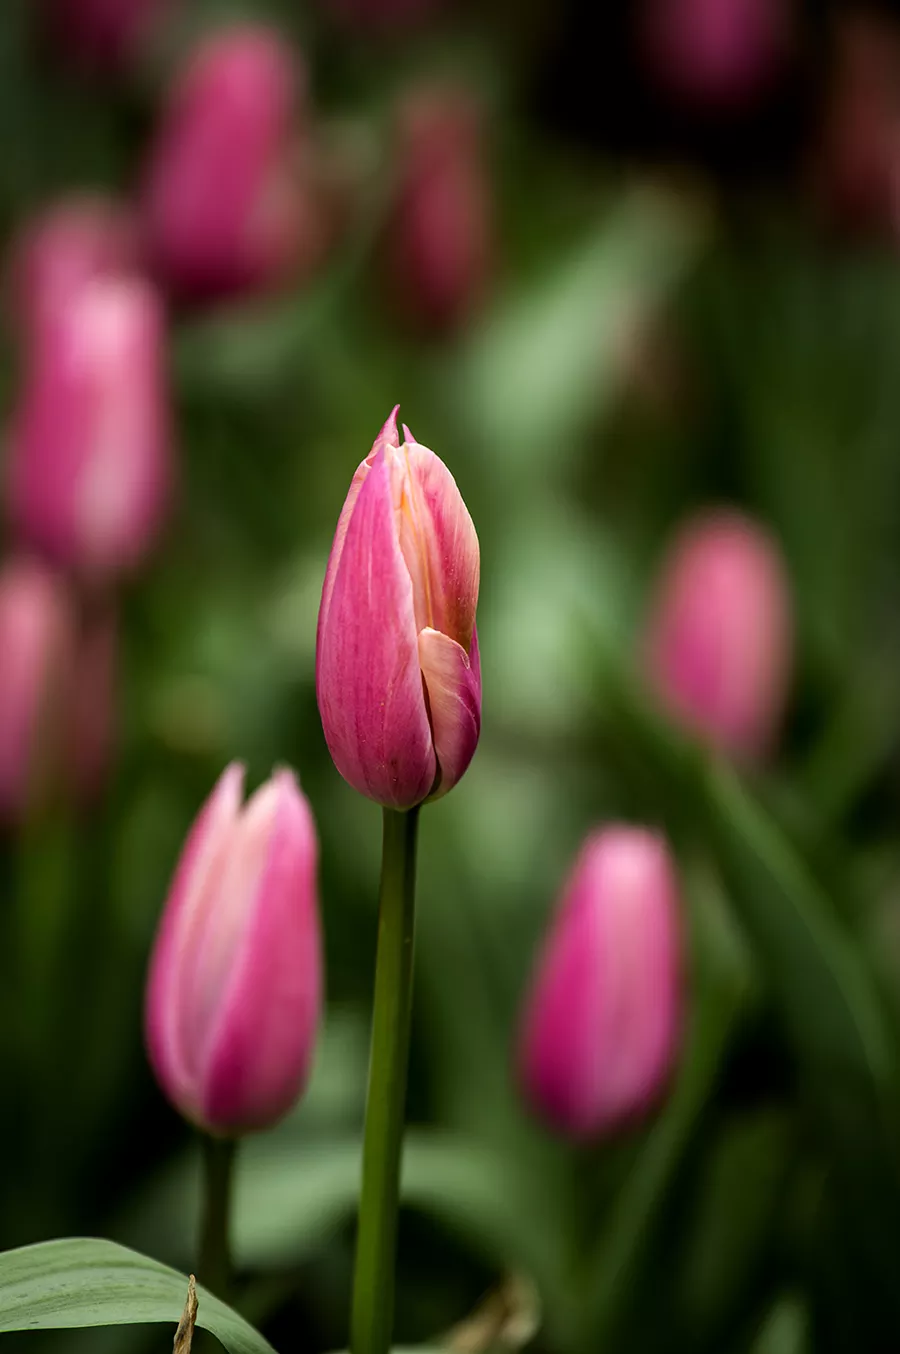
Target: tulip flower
[
  {"x": 224, "y": 211},
  {"x": 75, "y": 242},
  {"x": 439, "y": 239},
  {"x": 234, "y": 992},
  {"x": 398, "y": 677},
  {"x": 719, "y": 634},
  {"x": 89, "y": 457},
  {"x": 104, "y": 35},
  {"x": 722, "y": 53},
  {"x": 37, "y": 641},
  {"x": 602, "y": 1021}
]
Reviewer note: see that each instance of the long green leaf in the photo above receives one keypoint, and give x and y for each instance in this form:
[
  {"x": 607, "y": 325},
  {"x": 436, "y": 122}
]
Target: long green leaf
[{"x": 84, "y": 1281}]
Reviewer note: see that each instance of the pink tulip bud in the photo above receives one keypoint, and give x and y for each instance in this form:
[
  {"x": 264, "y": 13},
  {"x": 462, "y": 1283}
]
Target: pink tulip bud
[
  {"x": 89, "y": 469},
  {"x": 234, "y": 992},
  {"x": 721, "y": 53},
  {"x": 439, "y": 239},
  {"x": 74, "y": 243},
  {"x": 398, "y": 677},
  {"x": 224, "y": 205},
  {"x": 37, "y": 640},
  {"x": 104, "y": 35},
  {"x": 602, "y": 1021},
  {"x": 719, "y": 635}
]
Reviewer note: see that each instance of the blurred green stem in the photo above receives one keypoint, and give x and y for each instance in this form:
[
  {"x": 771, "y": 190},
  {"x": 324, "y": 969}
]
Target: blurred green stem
[
  {"x": 373, "y": 1281},
  {"x": 214, "y": 1261}
]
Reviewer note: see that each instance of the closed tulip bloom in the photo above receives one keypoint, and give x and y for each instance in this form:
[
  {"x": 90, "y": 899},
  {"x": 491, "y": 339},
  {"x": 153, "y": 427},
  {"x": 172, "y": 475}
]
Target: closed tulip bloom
[
  {"x": 439, "y": 238},
  {"x": 68, "y": 246},
  {"x": 37, "y": 637},
  {"x": 718, "y": 645},
  {"x": 398, "y": 677},
  {"x": 224, "y": 210},
  {"x": 235, "y": 985},
  {"x": 602, "y": 1021},
  {"x": 90, "y": 458}
]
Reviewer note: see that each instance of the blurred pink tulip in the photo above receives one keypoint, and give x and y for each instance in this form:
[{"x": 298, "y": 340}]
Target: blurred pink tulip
[
  {"x": 719, "y": 635},
  {"x": 75, "y": 242},
  {"x": 225, "y": 205},
  {"x": 104, "y": 35},
  {"x": 235, "y": 985},
  {"x": 721, "y": 53},
  {"x": 37, "y": 641},
  {"x": 439, "y": 240},
  {"x": 602, "y": 1021},
  {"x": 398, "y": 677},
  {"x": 90, "y": 457}
]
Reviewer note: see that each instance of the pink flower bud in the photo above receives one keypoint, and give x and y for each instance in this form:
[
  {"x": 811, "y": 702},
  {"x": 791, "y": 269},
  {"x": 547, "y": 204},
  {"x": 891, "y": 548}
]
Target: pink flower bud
[
  {"x": 104, "y": 35},
  {"x": 721, "y": 53},
  {"x": 37, "y": 640},
  {"x": 89, "y": 469},
  {"x": 398, "y": 677},
  {"x": 439, "y": 238},
  {"x": 225, "y": 210},
  {"x": 73, "y": 243},
  {"x": 602, "y": 1022},
  {"x": 234, "y": 992},
  {"x": 719, "y": 636}
]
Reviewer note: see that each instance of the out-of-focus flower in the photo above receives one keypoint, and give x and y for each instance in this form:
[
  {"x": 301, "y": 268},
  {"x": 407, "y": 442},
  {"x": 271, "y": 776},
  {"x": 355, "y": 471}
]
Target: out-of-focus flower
[
  {"x": 602, "y": 1021},
  {"x": 398, "y": 677},
  {"x": 104, "y": 35},
  {"x": 89, "y": 457},
  {"x": 439, "y": 238},
  {"x": 719, "y": 634},
  {"x": 716, "y": 53},
  {"x": 226, "y": 204},
  {"x": 37, "y": 641},
  {"x": 74, "y": 242},
  {"x": 857, "y": 162},
  {"x": 235, "y": 985}
]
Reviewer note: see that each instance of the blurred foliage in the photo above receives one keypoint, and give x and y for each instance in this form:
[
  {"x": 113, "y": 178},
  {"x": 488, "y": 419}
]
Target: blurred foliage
[{"x": 653, "y": 342}]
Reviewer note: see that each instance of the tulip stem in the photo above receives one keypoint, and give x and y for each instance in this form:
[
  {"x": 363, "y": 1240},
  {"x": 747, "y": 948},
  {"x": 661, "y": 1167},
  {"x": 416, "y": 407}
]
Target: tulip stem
[
  {"x": 373, "y": 1282},
  {"x": 214, "y": 1262}
]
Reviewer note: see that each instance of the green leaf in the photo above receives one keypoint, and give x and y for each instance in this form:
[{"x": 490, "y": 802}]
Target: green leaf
[{"x": 84, "y": 1281}]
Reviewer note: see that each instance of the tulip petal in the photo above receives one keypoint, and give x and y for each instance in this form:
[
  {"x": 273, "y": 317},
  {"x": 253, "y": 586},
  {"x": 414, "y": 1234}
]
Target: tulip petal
[
  {"x": 368, "y": 680},
  {"x": 441, "y": 546},
  {"x": 260, "y": 1051},
  {"x": 386, "y": 438},
  {"x": 170, "y": 1044},
  {"x": 453, "y": 683}
]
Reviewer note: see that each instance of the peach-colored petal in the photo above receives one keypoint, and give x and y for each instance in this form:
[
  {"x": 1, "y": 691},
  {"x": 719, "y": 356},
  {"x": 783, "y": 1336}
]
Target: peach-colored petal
[{"x": 453, "y": 684}]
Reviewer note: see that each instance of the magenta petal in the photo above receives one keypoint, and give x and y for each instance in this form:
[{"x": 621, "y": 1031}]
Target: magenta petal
[
  {"x": 368, "y": 680},
  {"x": 453, "y": 683},
  {"x": 170, "y": 1043},
  {"x": 445, "y": 547},
  {"x": 603, "y": 1020},
  {"x": 261, "y": 1048}
]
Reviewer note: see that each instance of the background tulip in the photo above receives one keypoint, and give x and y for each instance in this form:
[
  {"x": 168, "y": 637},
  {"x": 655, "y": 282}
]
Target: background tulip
[
  {"x": 89, "y": 470},
  {"x": 234, "y": 992},
  {"x": 716, "y": 52},
  {"x": 439, "y": 238},
  {"x": 37, "y": 640},
  {"x": 602, "y": 1020},
  {"x": 719, "y": 634},
  {"x": 224, "y": 210},
  {"x": 69, "y": 245},
  {"x": 398, "y": 677}
]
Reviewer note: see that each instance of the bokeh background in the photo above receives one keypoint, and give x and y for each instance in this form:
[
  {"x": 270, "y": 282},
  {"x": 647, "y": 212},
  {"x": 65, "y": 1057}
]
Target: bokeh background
[{"x": 617, "y": 264}]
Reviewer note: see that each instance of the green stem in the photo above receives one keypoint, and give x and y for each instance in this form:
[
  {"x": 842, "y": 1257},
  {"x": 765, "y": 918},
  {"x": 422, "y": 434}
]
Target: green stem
[
  {"x": 214, "y": 1262},
  {"x": 373, "y": 1281}
]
